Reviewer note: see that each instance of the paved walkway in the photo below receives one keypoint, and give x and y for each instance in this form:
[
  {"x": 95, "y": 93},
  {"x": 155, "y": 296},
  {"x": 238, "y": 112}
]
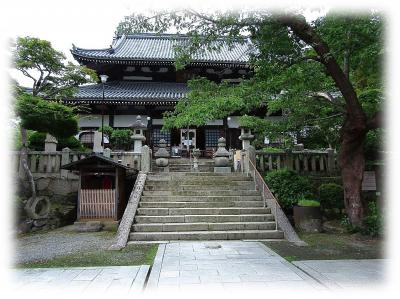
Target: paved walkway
[
  {"x": 102, "y": 280},
  {"x": 223, "y": 265},
  {"x": 338, "y": 274}
]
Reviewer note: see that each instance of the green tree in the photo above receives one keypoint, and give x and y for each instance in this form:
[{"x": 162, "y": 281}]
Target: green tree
[
  {"x": 324, "y": 74},
  {"x": 53, "y": 79}
]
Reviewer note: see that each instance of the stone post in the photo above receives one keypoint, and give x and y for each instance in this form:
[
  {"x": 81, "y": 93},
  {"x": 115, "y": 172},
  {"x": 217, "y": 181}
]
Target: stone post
[
  {"x": 162, "y": 156},
  {"x": 145, "y": 159},
  {"x": 288, "y": 159},
  {"x": 97, "y": 147},
  {"x": 196, "y": 155},
  {"x": 331, "y": 159},
  {"x": 221, "y": 158},
  {"x": 107, "y": 153},
  {"x": 65, "y": 160},
  {"x": 50, "y": 143}
]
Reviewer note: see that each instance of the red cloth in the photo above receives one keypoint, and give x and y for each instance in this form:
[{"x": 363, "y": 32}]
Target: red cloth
[{"x": 107, "y": 183}]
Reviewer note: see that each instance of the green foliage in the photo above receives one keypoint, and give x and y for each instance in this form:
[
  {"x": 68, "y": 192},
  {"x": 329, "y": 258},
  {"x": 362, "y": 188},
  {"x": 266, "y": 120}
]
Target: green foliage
[
  {"x": 107, "y": 130},
  {"x": 121, "y": 139},
  {"x": 288, "y": 187},
  {"x": 308, "y": 203},
  {"x": 373, "y": 144},
  {"x": 46, "y": 116},
  {"x": 52, "y": 77},
  {"x": 331, "y": 196},
  {"x": 36, "y": 142},
  {"x": 373, "y": 223}
]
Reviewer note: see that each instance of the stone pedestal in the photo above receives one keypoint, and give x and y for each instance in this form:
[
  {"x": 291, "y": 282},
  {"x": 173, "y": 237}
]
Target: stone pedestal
[
  {"x": 50, "y": 143},
  {"x": 221, "y": 158},
  {"x": 97, "y": 147},
  {"x": 162, "y": 156}
]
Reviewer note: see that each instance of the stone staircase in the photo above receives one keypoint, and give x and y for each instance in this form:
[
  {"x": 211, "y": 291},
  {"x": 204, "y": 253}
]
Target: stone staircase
[{"x": 202, "y": 206}]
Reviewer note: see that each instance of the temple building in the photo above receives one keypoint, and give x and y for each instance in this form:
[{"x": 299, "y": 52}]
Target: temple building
[{"x": 142, "y": 80}]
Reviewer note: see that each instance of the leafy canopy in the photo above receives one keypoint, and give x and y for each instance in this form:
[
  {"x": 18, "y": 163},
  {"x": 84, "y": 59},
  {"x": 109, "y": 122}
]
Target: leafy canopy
[{"x": 288, "y": 74}]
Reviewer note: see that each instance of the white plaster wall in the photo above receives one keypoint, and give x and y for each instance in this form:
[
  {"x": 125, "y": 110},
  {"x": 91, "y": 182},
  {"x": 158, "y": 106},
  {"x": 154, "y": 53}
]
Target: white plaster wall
[
  {"x": 158, "y": 121},
  {"x": 234, "y": 122},
  {"x": 123, "y": 121},
  {"x": 92, "y": 120}
]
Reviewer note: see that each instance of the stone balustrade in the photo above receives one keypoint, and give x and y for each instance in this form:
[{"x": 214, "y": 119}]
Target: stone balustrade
[
  {"x": 304, "y": 161},
  {"x": 41, "y": 162}
]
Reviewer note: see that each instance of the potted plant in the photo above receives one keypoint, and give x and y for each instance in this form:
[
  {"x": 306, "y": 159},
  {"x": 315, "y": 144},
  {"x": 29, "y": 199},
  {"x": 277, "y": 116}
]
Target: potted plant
[{"x": 307, "y": 215}]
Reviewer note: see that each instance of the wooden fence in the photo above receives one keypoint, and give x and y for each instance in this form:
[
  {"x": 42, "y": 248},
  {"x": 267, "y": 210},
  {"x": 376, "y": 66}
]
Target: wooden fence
[
  {"x": 306, "y": 161},
  {"x": 97, "y": 204}
]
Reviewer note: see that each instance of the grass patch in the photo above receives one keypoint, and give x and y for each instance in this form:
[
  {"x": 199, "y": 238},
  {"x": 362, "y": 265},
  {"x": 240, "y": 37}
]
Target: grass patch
[
  {"x": 330, "y": 246},
  {"x": 131, "y": 255}
]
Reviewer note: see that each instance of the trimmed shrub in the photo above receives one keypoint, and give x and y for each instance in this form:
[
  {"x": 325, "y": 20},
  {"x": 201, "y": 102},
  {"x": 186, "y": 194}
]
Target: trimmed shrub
[
  {"x": 288, "y": 187},
  {"x": 121, "y": 139},
  {"x": 36, "y": 142},
  {"x": 331, "y": 196},
  {"x": 308, "y": 203}
]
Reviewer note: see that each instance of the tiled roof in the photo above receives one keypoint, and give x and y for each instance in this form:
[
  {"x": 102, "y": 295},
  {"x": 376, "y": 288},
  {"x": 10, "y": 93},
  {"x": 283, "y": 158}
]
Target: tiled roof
[
  {"x": 160, "y": 48},
  {"x": 132, "y": 92}
]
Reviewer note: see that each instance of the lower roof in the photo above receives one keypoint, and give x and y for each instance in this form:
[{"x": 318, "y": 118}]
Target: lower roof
[{"x": 131, "y": 93}]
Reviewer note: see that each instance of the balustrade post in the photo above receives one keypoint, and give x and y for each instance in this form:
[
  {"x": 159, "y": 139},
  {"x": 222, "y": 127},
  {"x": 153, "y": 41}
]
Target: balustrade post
[
  {"x": 65, "y": 159},
  {"x": 331, "y": 160}
]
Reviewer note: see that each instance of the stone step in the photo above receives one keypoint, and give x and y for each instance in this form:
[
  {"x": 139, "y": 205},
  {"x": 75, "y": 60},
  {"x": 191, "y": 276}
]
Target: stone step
[
  {"x": 207, "y": 235},
  {"x": 195, "y": 174},
  {"x": 178, "y": 227},
  {"x": 195, "y": 179},
  {"x": 200, "y": 204},
  {"x": 200, "y": 211},
  {"x": 219, "y": 187},
  {"x": 195, "y": 193},
  {"x": 204, "y": 218},
  {"x": 197, "y": 198},
  {"x": 209, "y": 182}
]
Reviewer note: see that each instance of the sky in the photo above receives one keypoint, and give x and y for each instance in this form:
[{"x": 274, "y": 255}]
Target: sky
[
  {"x": 87, "y": 24},
  {"x": 91, "y": 24}
]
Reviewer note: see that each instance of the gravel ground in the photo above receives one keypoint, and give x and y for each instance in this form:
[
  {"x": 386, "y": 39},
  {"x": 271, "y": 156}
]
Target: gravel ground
[{"x": 62, "y": 241}]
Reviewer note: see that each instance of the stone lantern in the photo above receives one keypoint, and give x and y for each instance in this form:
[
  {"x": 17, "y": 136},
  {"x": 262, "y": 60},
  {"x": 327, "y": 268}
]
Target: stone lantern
[
  {"x": 196, "y": 155},
  {"x": 221, "y": 157},
  {"x": 162, "y": 155},
  {"x": 246, "y": 137},
  {"x": 138, "y": 128}
]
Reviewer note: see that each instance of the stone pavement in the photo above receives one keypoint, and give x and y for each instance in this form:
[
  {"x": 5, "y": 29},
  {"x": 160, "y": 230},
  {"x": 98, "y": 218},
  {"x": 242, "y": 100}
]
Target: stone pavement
[
  {"x": 224, "y": 265},
  {"x": 99, "y": 280},
  {"x": 338, "y": 274}
]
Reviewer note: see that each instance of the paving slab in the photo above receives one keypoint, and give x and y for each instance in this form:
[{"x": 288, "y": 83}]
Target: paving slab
[
  {"x": 224, "y": 265},
  {"x": 345, "y": 274},
  {"x": 82, "y": 280}
]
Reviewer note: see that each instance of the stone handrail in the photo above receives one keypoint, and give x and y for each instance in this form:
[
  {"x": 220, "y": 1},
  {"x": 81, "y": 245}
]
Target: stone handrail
[
  {"x": 129, "y": 214},
  {"x": 305, "y": 161},
  {"x": 269, "y": 200}
]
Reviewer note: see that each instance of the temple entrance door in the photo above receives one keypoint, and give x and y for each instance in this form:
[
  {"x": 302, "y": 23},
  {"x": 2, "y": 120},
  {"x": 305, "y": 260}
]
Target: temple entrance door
[{"x": 184, "y": 139}]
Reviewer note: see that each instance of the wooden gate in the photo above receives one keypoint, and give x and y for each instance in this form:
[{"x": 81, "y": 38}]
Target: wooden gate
[{"x": 97, "y": 203}]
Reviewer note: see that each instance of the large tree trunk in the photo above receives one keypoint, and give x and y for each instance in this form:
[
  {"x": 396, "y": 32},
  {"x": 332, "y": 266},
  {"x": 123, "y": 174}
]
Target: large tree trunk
[{"x": 352, "y": 164}]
